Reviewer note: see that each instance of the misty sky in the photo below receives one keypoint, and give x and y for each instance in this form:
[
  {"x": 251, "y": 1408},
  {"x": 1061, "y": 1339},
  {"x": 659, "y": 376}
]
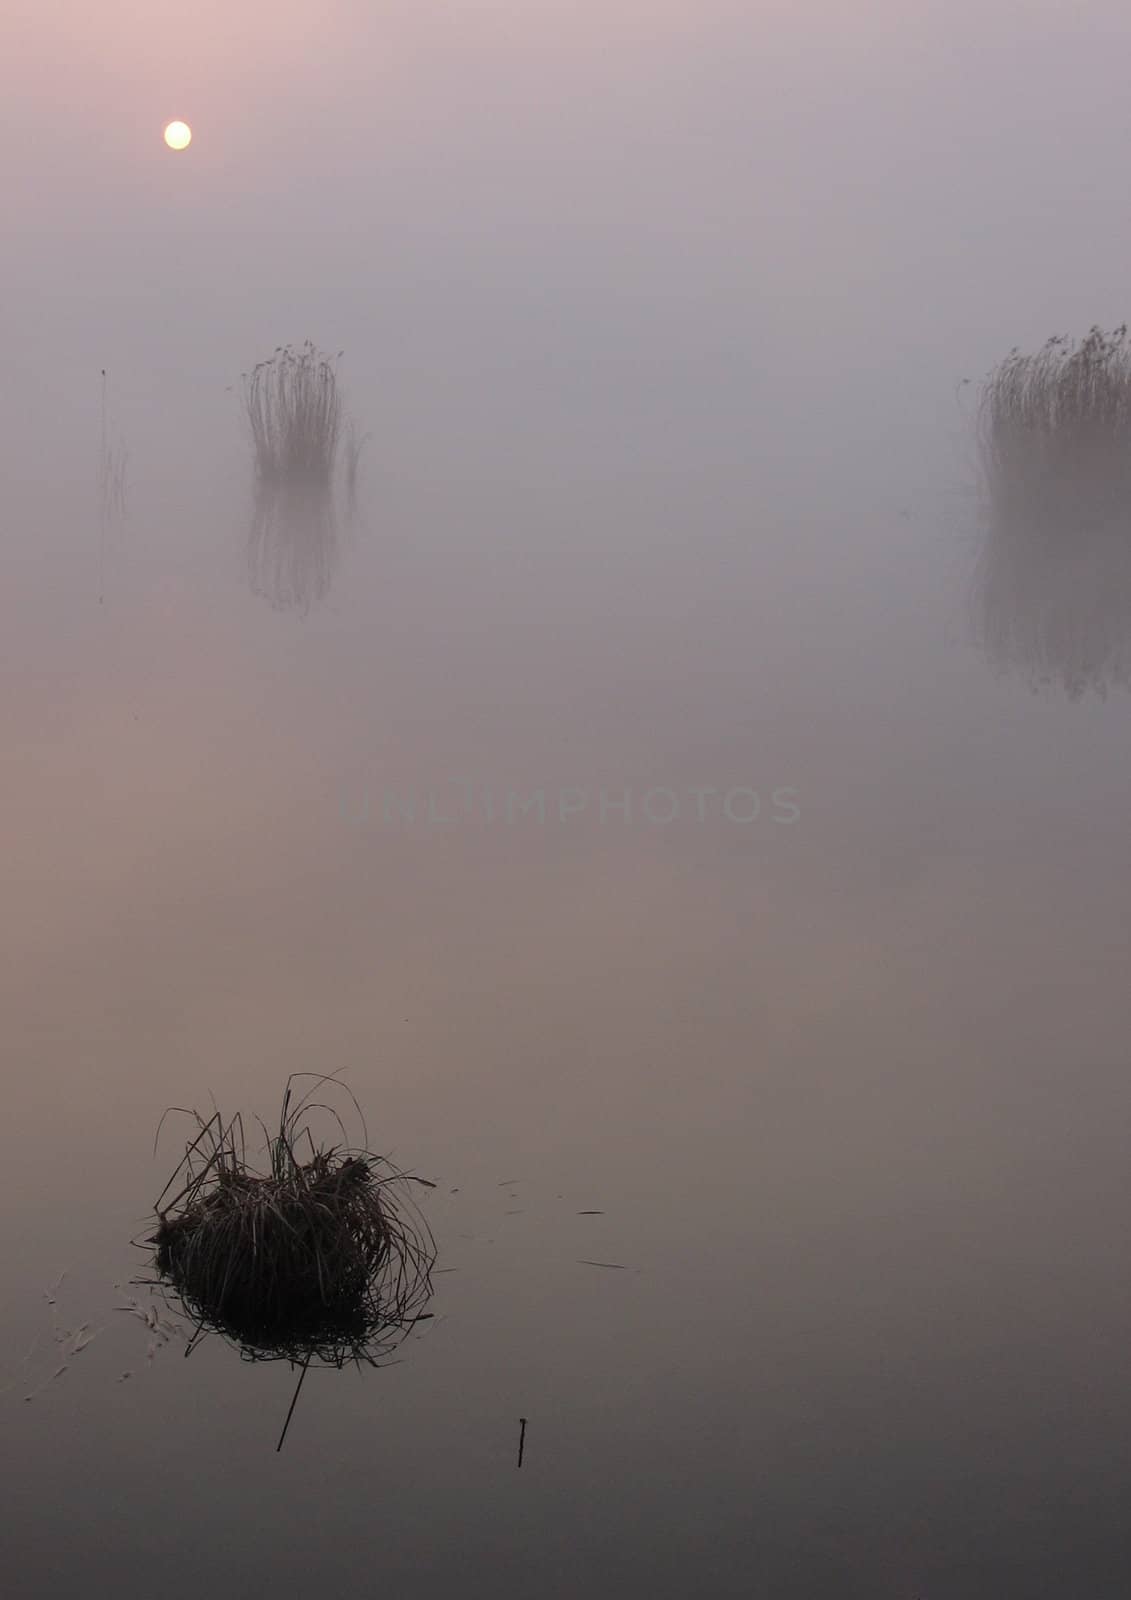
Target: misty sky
[{"x": 656, "y": 313}]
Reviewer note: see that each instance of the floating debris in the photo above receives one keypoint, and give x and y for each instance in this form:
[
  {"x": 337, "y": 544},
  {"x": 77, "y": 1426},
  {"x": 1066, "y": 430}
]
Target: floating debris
[
  {"x": 49, "y": 1294},
  {"x": 68, "y": 1343}
]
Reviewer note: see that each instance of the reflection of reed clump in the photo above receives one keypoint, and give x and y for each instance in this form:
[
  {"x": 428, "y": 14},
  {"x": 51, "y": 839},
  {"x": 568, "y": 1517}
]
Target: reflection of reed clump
[
  {"x": 112, "y": 485},
  {"x": 111, "y": 471},
  {"x": 320, "y": 1259},
  {"x": 294, "y": 413},
  {"x": 1054, "y": 575},
  {"x": 292, "y": 546}
]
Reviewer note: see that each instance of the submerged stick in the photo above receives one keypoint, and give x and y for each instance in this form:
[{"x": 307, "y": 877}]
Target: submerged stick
[
  {"x": 294, "y": 1402},
  {"x": 521, "y": 1438}
]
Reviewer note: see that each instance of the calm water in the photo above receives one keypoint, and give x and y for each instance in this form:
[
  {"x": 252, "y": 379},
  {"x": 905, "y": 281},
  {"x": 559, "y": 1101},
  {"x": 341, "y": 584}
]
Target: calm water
[{"x": 666, "y": 494}]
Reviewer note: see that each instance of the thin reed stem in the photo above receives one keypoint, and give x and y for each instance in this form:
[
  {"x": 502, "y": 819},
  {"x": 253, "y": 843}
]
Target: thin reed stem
[{"x": 294, "y": 1402}]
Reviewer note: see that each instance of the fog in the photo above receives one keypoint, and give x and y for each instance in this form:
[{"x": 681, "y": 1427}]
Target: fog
[{"x": 657, "y": 316}]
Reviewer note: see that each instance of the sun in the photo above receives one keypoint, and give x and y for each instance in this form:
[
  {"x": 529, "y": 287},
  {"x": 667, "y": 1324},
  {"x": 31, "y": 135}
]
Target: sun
[{"x": 178, "y": 135}]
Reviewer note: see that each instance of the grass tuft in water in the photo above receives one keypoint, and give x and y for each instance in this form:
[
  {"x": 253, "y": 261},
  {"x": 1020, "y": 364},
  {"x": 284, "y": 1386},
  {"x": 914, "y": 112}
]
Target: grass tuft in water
[{"x": 317, "y": 1257}]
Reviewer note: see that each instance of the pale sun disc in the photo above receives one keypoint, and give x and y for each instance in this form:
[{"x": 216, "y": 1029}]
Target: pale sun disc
[{"x": 178, "y": 135}]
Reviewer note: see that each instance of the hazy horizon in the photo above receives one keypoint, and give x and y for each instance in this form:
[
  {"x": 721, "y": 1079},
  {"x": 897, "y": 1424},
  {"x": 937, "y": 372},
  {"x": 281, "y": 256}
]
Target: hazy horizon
[{"x": 657, "y": 316}]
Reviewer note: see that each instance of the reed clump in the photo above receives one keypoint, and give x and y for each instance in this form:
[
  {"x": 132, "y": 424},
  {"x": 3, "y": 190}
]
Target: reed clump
[
  {"x": 295, "y": 416},
  {"x": 319, "y": 1257},
  {"x": 1053, "y": 585},
  {"x": 294, "y": 411}
]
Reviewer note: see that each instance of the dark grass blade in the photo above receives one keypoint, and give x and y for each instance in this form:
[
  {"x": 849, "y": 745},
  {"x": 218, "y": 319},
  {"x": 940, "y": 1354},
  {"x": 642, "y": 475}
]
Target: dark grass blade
[{"x": 294, "y": 1402}]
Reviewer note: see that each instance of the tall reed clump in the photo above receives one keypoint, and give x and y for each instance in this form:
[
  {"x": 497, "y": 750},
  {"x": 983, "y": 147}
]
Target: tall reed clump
[
  {"x": 318, "y": 1257},
  {"x": 294, "y": 412},
  {"x": 1053, "y": 588}
]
